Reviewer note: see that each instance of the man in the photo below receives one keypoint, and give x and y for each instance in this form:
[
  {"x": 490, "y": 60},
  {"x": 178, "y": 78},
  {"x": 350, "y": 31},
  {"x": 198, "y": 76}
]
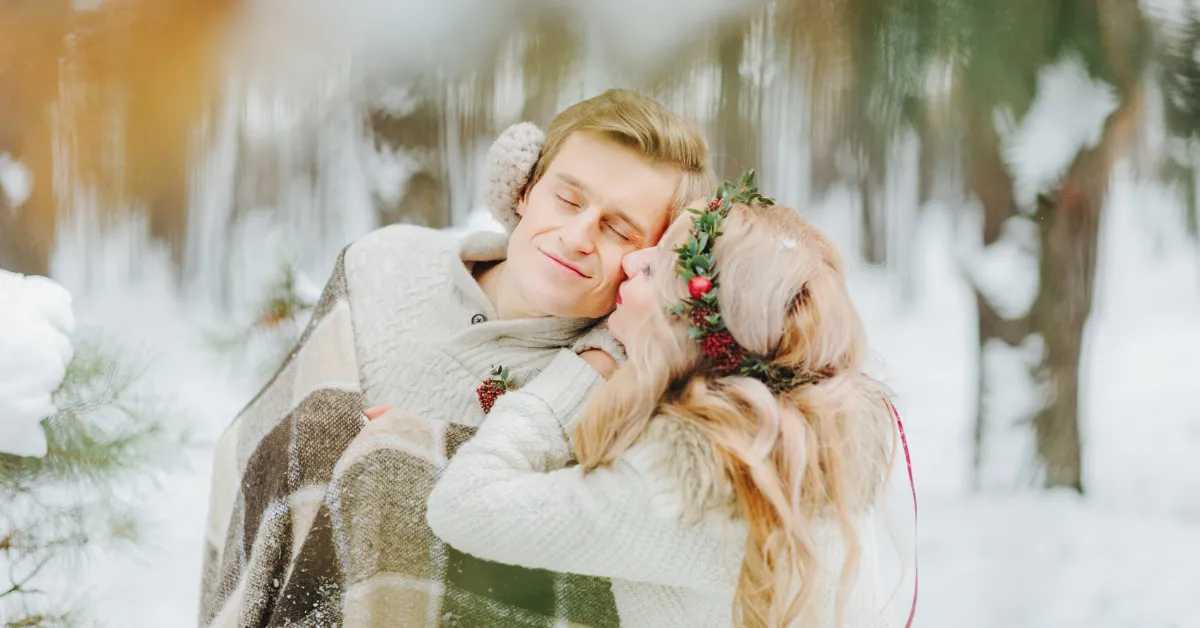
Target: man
[{"x": 317, "y": 518}]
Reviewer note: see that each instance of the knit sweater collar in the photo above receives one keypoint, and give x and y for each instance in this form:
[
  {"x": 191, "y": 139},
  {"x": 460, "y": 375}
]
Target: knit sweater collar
[{"x": 477, "y": 342}]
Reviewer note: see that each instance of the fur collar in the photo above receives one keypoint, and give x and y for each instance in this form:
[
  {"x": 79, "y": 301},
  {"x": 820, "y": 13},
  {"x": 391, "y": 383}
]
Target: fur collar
[{"x": 697, "y": 484}]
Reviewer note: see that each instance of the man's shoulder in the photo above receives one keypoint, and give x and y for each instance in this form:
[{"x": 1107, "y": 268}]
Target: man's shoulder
[
  {"x": 400, "y": 245},
  {"x": 388, "y": 269},
  {"x": 402, "y": 239}
]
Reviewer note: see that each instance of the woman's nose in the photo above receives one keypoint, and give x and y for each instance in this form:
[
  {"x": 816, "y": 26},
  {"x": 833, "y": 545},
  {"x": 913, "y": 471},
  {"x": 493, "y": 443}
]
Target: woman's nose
[
  {"x": 629, "y": 264},
  {"x": 633, "y": 262}
]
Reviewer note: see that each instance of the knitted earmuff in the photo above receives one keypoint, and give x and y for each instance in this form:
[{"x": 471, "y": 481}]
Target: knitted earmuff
[{"x": 510, "y": 163}]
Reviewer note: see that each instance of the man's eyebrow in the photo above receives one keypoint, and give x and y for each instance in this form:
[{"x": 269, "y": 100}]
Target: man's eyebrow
[
  {"x": 573, "y": 182},
  {"x": 617, "y": 211}
]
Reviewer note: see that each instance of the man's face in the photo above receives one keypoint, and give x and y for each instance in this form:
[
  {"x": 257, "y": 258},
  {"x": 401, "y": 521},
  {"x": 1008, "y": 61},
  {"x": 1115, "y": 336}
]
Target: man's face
[{"x": 596, "y": 202}]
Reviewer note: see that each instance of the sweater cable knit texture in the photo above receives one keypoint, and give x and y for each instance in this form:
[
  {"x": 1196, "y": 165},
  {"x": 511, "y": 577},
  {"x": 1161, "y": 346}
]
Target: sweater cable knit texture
[
  {"x": 317, "y": 516},
  {"x": 658, "y": 521}
]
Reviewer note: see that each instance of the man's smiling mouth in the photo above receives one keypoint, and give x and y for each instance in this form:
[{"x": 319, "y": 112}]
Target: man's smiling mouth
[{"x": 565, "y": 264}]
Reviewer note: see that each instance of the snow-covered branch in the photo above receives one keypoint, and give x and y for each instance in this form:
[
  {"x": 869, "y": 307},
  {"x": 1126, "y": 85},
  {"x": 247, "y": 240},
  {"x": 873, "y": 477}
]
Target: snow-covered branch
[{"x": 36, "y": 323}]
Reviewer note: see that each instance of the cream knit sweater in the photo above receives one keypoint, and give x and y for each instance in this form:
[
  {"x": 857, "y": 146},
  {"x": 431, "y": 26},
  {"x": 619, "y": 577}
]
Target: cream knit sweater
[
  {"x": 316, "y": 518},
  {"x": 655, "y": 522},
  {"x": 427, "y": 335}
]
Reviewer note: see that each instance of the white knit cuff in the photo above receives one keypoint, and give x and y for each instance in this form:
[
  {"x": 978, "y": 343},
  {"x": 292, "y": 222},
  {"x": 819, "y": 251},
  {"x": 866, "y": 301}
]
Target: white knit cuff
[
  {"x": 510, "y": 162},
  {"x": 599, "y": 337},
  {"x": 566, "y": 385}
]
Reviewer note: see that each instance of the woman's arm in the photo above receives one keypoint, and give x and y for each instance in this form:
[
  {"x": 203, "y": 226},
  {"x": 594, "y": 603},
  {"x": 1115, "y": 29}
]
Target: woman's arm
[{"x": 503, "y": 498}]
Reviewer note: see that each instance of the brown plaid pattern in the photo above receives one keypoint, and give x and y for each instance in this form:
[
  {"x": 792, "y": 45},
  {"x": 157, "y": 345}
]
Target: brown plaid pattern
[{"x": 317, "y": 518}]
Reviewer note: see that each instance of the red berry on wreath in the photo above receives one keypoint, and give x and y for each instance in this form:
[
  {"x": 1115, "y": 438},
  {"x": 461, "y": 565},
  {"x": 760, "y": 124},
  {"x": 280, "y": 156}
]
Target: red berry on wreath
[
  {"x": 721, "y": 348},
  {"x": 699, "y": 286},
  {"x": 700, "y": 314}
]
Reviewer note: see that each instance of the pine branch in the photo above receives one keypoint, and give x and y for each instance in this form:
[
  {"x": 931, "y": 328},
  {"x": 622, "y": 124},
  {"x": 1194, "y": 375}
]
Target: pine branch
[
  {"x": 29, "y": 619},
  {"x": 19, "y": 583},
  {"x": 99, "y": 431},
  {"x": 61, "y": 505},
  {"x": 278, "y": 323}
]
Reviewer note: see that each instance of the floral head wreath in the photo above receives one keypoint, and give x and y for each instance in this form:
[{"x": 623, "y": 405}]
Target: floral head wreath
[{"x": 696, "y": 265}]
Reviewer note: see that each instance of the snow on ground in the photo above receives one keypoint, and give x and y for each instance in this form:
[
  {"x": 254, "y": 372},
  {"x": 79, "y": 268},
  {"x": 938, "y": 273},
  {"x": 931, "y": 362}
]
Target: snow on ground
[{"x": 1125, "y": 556}]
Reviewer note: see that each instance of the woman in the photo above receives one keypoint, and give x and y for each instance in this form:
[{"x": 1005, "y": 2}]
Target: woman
[{"x": 728, "y": 470}]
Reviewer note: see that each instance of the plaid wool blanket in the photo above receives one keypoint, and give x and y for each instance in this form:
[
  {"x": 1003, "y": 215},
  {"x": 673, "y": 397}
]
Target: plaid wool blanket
[{"x": 317, "y": 517}]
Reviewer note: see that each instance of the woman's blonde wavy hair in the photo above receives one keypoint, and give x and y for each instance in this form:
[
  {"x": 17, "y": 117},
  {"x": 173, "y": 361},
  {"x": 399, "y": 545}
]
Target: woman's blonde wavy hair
[{"x": 819, "y": 451}]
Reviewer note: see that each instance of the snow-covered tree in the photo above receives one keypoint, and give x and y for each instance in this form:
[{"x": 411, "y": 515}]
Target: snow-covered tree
[{"x": 72, "y": 428}]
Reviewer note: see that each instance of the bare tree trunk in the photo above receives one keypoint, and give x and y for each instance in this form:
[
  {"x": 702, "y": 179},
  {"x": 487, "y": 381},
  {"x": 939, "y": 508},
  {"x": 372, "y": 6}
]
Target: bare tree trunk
[
  {"x": 551, "y": 51},
  {"x": 993, "y": 186},
  {"x": 873, "y": 212},
  {"x": 1068, "y": 223},
  {"x": 169, "y": 219},
  {"x": 426, "y": 198},
  {"x": 927, "y": 160},
  {"x": 1069, "y": 228},
  {"x": 18, "y": 253},
  {"x": 27, "y": 235},
  {"x": 990, "y": 178},
  {"x": 1192, "y": 203},
  {"x": 737, "y": 126}
]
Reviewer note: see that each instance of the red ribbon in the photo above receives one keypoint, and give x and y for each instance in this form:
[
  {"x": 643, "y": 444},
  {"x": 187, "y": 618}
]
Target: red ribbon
[{"x": 913, "y": 485}]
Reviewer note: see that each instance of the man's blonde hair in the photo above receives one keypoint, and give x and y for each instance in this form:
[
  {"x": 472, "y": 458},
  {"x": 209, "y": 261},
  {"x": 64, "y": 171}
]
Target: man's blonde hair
[{"x": 638, "y": 122}]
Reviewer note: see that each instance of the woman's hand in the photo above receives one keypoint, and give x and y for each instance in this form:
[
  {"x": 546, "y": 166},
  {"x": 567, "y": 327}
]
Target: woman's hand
[
  {"x": 375, "y": 412},
  {"x": 600, "y": 360}
]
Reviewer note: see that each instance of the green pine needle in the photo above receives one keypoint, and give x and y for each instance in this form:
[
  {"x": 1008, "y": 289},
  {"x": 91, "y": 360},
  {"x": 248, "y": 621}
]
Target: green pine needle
[{"x": 61, "y": 508}]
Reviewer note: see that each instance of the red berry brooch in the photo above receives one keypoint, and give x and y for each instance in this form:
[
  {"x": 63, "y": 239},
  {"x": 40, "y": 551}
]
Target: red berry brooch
[{"x": 495, "y": 385}]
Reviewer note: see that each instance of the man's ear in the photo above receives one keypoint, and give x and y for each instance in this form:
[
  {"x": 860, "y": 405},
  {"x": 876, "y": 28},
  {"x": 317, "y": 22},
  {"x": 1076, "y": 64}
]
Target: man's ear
[{"x": 521, "y": 202}]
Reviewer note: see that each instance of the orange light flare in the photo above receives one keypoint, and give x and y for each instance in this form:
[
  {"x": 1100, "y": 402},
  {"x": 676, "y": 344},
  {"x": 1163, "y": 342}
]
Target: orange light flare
[{"x": 124, "y": 87}]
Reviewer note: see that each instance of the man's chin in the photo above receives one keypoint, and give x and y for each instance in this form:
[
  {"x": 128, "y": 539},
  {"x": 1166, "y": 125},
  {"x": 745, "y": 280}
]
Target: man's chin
[
  {"x": 556, "y": 307},
  {"x": 546, "y": 299},
  {"x": 572, "y": 310},
  {"x": 576, "y": 312}
]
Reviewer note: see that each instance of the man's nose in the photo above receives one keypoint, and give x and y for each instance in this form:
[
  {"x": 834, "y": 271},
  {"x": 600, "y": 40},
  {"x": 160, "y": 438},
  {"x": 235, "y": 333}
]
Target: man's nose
[{"x": 579, "y": 234}]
